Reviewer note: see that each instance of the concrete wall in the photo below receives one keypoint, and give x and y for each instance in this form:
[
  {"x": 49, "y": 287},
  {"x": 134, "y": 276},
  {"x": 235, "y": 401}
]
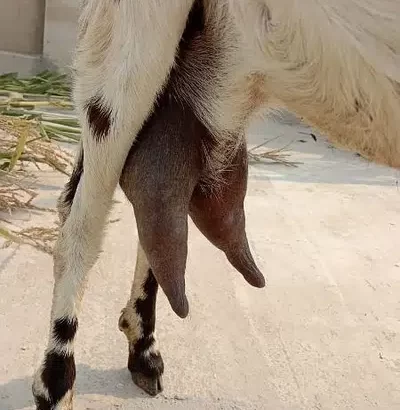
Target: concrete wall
[
  {"x": 60, "y": 32},
  {"x": 21, "y": 26},
  {"x": 21, "y": 35},
  {"x": 37, "y": 34}
]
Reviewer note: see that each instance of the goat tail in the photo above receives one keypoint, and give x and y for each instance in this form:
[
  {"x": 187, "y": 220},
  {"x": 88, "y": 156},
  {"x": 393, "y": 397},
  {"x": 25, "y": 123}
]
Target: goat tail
[{"x": 336, "y": 64}]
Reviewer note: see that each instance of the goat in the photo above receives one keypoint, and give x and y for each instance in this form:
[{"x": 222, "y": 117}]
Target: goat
[{"x": 165, "y": 89}]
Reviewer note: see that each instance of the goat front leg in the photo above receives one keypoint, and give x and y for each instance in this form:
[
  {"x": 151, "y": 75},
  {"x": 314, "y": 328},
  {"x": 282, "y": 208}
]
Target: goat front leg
[
  {"x": 137, "y": 321},
  {"x": 125, "y": 52}
]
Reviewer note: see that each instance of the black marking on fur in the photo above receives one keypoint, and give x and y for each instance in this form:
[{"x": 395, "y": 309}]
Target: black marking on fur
[
  {"x": 42, "y": 403},
  {"x": 64, "y": 329},
  {"x": 146, "y": 307},
  {"x": 149, "y": 364},
  {"x": 72, "y": 185},
  {"x": 99, "y": 117},
  {"x": 58, "y": 375},
  {"x": 195, "y": 26},
  {"x": 195, "y": 23}
]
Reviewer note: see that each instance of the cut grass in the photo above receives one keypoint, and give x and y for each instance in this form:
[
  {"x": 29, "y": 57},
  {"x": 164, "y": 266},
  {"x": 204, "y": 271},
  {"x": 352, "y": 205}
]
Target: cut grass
[
  {"x": 40, "y": 238},
  {"x": 274, "y": 156},
  {"x": 34, "y": 113},
  {"x": 47, "y": 83},
  {"x": 22, "y": 141}
]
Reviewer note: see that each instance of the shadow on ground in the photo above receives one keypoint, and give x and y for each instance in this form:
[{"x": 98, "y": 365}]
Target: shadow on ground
[{"x": 17, "y": 394}]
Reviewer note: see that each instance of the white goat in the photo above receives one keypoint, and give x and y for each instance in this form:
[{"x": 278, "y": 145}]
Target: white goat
[{"x": 183, "y": 78}]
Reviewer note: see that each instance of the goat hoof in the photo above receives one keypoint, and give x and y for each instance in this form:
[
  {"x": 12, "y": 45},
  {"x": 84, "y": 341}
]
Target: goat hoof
[
  {"x": 152, "y": 385},
  {"x": 147, "y": 369}
]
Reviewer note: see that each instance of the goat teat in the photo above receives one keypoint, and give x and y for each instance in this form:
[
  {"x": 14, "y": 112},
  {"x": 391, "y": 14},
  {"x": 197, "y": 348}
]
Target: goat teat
[{"x": 220, "y": 217}]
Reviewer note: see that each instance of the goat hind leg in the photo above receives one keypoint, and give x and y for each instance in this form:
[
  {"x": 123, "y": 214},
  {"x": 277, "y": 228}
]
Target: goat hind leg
[
  {"x": 116, "y": 69},
  {"x": 137, "y": 321}
]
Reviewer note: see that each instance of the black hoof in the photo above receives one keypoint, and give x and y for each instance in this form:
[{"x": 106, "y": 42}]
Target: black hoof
[
  {"x": 147, "y": 369},
  {"x": 54, "y": 381},
  {"x": 151, "y": 385},
  {"x": 41, "y": 403}
]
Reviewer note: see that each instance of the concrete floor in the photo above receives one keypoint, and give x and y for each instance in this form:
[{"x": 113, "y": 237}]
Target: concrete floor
[{"x": 324, "y": 333}]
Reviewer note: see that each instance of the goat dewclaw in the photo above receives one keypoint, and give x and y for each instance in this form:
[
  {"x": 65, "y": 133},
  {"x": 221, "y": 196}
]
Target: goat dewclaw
[{"x": 163, "y": 178}]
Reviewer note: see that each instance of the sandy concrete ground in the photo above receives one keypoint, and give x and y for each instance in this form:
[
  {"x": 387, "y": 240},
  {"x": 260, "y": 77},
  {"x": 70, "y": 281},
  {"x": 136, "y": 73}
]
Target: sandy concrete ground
[{"x": 324, "y": 334}]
